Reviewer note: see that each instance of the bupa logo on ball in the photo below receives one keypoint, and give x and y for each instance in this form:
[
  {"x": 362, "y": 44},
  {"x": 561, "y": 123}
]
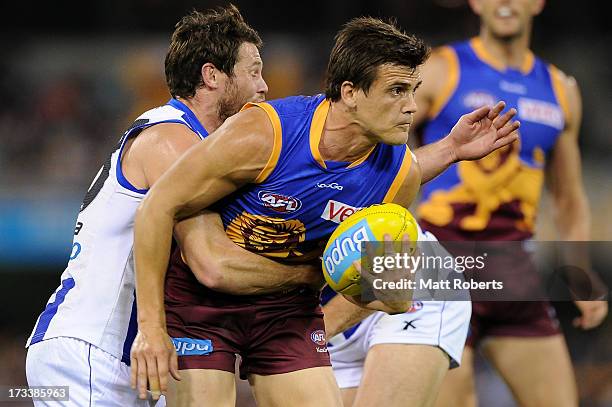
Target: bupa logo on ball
[
  {"x": 346, "y": 249},
  {"x": 318, "y": 337},
  {"x": 279, "y": 202}
]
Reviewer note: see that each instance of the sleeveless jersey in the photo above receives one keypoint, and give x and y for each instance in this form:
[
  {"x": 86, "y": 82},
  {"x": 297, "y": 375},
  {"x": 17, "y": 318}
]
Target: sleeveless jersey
[
  {"x": 96, "y": 299},
  {"x": 299, "y": 199},
  {"x": 495, "y": 198}
]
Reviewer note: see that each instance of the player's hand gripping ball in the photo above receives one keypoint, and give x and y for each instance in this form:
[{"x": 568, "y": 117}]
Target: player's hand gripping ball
[{"x": 368, "y": 224}]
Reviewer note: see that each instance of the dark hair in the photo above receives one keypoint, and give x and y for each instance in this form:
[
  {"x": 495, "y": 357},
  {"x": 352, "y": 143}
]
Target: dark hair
[
  {"x": 364, "y": 44},
  {"x": 200, "y": 37}
]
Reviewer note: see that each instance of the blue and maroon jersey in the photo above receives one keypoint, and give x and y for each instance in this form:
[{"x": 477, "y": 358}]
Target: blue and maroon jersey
[
  {"x": 495, "y": 198},
  {"x": 299, "y": 199}
]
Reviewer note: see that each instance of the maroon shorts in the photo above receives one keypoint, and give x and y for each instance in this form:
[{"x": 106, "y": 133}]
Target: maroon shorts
[
  {"x": 511, "y": 318},
  {"x": 273, "y": 334},
  {"x": 516, "y": 269}
]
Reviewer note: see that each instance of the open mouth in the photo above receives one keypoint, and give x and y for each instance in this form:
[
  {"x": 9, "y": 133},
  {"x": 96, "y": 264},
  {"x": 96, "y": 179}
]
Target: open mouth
[{"x": 504, "y": 12}]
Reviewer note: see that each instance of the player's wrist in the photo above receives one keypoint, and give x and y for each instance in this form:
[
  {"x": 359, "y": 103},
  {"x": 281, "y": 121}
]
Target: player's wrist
[
  {"x": 149, "y": 324},
  {"x": 449, "y": 150}
]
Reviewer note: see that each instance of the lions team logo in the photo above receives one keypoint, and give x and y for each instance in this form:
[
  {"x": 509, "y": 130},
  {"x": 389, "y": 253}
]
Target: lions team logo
[
  {"x": 272, "y": 237},
  {"x": 416, "y": 306},
  {"x": 318, "y": 337},
  {"x": 279, "y": 202}
]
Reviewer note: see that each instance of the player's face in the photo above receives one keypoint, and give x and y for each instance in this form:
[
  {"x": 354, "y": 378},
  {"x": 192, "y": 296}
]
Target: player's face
[
  {"x": 507, "y": 19},
  {"x": 387, "y": 110},
  {"x": 246, "y": 84}
]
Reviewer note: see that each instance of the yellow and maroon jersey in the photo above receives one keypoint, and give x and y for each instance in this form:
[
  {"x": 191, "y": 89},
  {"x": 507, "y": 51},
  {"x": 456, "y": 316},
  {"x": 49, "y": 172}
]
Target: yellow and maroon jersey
[
  {"x": 299, "y": 199},
  {"x": 495, "y": 198}
]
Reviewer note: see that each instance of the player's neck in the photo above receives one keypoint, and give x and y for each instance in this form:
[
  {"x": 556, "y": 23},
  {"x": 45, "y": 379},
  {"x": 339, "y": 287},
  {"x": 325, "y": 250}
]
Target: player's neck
[
  {"x": 205, "y": 110},
  {"x": 509, "y": 52},
  {"x": 342, "y": 138}
]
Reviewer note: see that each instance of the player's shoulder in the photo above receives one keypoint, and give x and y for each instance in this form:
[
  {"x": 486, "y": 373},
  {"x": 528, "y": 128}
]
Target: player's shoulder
[
  {"x": 566, "y": 80},
  {"x": 162, "y": 138},
  {"x": 442, "y": 57},
  {"x": 161, "y": 113},
  {"x": 440, "y": 72}
]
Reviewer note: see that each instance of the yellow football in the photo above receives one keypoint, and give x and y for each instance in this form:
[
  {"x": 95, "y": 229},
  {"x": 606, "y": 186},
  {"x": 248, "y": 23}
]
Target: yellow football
[{"x": 367, "y": 224}]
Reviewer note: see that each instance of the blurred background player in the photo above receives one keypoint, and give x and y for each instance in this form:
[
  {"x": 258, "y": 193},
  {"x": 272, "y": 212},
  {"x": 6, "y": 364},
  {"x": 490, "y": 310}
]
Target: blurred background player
[
  {"x": 496, "y": 198},
  {"x": 83, "y": 337}
]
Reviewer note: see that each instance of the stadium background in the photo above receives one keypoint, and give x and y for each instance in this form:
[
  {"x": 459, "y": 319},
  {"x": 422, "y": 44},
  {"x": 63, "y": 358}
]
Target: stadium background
[{"x": 73, "y": 76}]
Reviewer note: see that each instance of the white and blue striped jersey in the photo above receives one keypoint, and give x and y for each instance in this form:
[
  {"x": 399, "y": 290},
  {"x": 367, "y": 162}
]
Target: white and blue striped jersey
[{"x": 95, "y": 301}]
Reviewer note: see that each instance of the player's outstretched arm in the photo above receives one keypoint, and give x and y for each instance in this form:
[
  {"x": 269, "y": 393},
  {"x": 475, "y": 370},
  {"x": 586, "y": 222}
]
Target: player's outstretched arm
[
  {"x": 233, "y": 156},
  {"x": 474, "y": 136},
  {"x": 570, "y": 203},
  {"x": 220, "y": 264}
]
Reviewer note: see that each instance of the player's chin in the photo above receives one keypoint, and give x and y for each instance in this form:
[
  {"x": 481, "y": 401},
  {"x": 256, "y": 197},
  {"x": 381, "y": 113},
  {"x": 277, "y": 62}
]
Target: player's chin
[
  {"x": 397, "y": 137},
  {"x": 508, "y": 31}
]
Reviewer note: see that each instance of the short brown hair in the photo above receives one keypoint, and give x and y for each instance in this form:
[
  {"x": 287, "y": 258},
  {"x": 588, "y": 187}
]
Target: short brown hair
[
  {"x": 364, "y": 44},
  {"x": 200, "y": 37}
]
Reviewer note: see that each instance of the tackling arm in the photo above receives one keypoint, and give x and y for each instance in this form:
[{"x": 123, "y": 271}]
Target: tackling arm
[
  {"x": 220, "y": 264},
  {"x": 234, "y": 155},
  {"x": 231, "y": 157}
]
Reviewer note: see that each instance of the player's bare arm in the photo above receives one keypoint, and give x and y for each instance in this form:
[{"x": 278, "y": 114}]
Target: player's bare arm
[
  {"x": 220, "y": 264},
  {"x": 570, "y": 204},
  {"x": 233, "y": 156}
]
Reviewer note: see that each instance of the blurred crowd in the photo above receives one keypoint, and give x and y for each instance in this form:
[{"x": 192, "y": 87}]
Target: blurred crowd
[{"x": 68, "y": 98}]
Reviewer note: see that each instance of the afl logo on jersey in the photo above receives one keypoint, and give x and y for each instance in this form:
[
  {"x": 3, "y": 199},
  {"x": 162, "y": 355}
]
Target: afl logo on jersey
[
  {"x": 318, "y": 337},
  {"x": 279, "y": 202},
  {"x": 416, "y": 306},
  {"x": 474, "y": 100}
]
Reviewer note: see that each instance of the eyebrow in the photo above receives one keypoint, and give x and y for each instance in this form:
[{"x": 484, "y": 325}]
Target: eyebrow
[{"x": 406, "y": 84}]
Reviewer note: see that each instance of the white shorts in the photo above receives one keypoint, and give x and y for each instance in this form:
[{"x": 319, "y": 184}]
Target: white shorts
[
  {"x": 437, "y": 323},
  {"x": 93, "y": 377}
]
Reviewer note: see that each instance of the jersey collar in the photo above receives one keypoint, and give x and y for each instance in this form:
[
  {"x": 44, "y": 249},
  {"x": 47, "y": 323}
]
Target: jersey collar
[{"x": 189, "y": 117}]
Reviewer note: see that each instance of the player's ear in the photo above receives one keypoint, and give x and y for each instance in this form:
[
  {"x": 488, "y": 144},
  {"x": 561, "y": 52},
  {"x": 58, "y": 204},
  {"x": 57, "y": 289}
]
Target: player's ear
[
  {"x": 210, "y": 76},
  {"x": 475, "y": 6},
  {"x": 348, "y": 94},
  {"x": 538, "y": 6}
]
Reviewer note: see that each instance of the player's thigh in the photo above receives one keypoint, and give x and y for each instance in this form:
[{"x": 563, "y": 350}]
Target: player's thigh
[
  {"x": 202, "y": 387},
  {"x": 538, "y": 370},
  {"x": 402, "y": 375},
  {"x": 348, "y": 396},
  {"x": 314, "y": 387},
  {"x": 458, "y": 388}
]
